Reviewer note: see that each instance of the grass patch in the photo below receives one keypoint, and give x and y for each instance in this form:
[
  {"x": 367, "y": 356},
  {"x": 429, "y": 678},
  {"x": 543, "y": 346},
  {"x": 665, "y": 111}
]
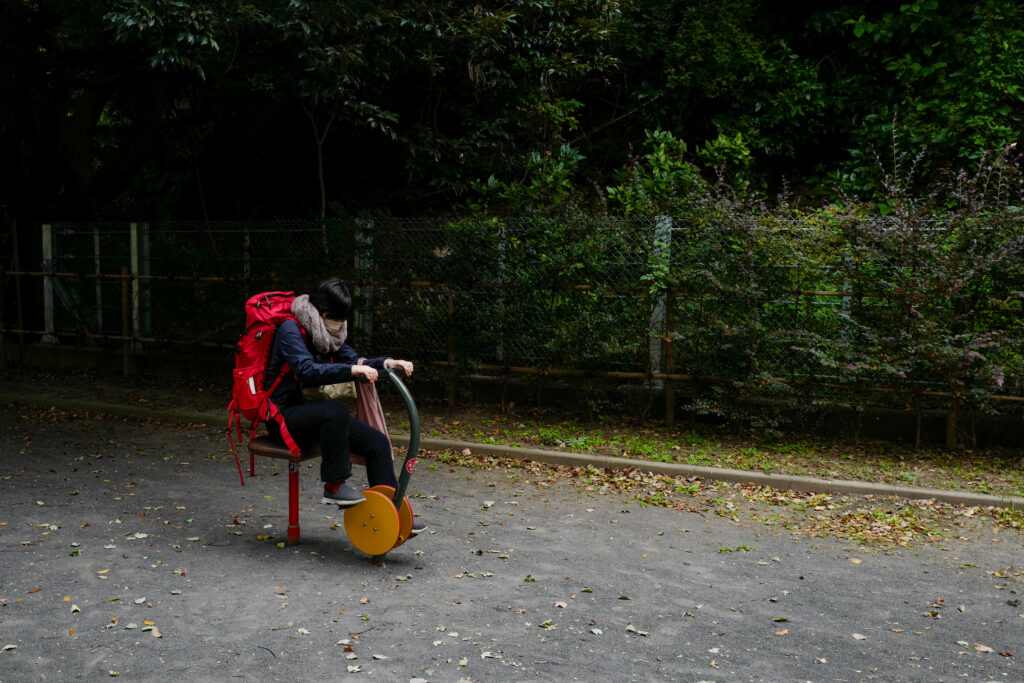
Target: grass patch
[{"x": 993, "y": 472}]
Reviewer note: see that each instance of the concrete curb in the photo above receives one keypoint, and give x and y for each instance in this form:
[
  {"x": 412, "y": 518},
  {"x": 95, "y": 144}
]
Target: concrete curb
[{"x": 776, "y": 481}]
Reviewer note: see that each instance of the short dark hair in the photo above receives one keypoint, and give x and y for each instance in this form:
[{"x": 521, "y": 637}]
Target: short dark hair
[{"x": 333, "y": 298}]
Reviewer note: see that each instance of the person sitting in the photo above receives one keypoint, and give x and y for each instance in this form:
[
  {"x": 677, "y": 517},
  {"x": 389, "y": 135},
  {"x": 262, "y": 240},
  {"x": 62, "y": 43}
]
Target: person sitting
[{"x": 316, "y": 351}]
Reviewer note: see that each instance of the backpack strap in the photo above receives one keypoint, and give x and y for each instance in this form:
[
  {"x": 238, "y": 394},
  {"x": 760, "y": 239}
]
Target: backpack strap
[
  {"x": 235, "y": 420},
  {"x": 274, "y": 414}
]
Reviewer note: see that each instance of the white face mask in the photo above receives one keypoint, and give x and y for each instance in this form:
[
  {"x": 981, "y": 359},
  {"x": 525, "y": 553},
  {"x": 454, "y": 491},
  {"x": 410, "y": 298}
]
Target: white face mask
[{"x": 333, "y": 326}]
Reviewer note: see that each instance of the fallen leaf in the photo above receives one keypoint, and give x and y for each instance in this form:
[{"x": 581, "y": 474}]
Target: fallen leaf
[
  {"x": 302, "y": 632},
  {"x": 156, "y": 633},
  {"x": 354, "y": 668},
  {"x": 982, "y": 648},
  {"x": 560, "y": 604},
  {"x": 856, "y": 560},
  {"x": 597, "y": 631},
  {"x": 782, "y": 632},
  {"x": 858, "y": 636},
  {"x": 465, "y": 660}
]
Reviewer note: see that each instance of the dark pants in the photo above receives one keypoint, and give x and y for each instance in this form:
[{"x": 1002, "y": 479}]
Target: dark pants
[{"x": 330, "y": 424}]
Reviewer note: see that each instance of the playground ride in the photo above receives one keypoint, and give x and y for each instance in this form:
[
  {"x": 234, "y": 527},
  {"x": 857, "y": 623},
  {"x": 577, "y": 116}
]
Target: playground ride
[{"x": 380, "y": 523}]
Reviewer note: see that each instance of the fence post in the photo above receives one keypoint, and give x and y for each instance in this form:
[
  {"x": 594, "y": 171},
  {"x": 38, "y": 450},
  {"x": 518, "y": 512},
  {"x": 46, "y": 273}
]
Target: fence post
[
  {"x": 246, "y": 253},
  {"x": 670, "y": 359},
  {"x": 97, "y": 269},
  {"x": 952, "y": 442},
  {"x": 502, "y": 245},
  {"x": 451, "y": 351},
  {"x": 363, "y": 266},
  {"x": 145, "y": 288},
  {"x": 3, "y": 317},
  {"x": 135, "y": 253},
  {"x": 48, "y": 314},
  {"x": 661, "y": 256},
  {"x": 126, "y": 321},
  {"x": 17, "y": 287}
]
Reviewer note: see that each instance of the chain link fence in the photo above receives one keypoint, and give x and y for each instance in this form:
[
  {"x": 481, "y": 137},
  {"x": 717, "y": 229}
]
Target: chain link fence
[{"x": 724, "y": 312}]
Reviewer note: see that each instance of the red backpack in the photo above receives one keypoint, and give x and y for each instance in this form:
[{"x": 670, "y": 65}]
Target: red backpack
[{"x": 263, "y": 314}]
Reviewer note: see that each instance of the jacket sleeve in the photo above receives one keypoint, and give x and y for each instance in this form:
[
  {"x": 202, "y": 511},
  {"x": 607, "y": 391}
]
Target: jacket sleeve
[
  {"x": 293, "y": 349},
  {"x": 346, "y": 354}
]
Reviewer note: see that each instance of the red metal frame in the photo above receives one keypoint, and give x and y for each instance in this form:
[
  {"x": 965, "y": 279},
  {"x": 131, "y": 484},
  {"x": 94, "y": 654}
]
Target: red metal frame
[
  {"x": 293, "y": 503},
  {"x": 258, "y": 447}
]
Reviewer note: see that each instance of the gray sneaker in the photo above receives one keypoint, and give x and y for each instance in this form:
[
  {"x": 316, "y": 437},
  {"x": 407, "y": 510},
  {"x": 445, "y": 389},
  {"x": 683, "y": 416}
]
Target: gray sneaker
[{"x": 345, "y": 496}]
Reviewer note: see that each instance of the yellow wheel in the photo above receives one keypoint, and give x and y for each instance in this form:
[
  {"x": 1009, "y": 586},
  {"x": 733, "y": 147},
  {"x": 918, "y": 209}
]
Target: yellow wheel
[
  {"x": 373, "y": 525},
  {"x": 404, "y": 513}
]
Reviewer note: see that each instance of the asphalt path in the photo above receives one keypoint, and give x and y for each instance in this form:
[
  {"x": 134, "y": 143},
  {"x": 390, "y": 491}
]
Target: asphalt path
[{"x": 129, "y": 550}]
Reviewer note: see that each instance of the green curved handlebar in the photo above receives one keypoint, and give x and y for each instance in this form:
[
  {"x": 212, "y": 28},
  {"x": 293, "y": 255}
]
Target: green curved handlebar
[{"x": 414, "y": 432}]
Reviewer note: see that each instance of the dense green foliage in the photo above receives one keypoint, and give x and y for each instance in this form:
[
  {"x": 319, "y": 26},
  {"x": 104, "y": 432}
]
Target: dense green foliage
[
  {"x": 786, "y": 310},
  {"x": 116, "y": 108}
]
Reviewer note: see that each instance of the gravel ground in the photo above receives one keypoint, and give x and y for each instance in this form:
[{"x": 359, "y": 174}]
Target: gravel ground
[{"x": 128, "y": 549}]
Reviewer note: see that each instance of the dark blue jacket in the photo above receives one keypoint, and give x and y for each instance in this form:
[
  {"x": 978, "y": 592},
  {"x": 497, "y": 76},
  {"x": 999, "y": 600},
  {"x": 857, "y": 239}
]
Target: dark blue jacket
[{"x": 308, "y": 368}]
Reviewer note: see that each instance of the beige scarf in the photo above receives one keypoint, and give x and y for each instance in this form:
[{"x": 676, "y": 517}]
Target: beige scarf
[{"x": 312, "y": 322}]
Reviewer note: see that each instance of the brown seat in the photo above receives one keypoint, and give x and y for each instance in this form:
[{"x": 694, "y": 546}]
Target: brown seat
[
  {"x": 270, "y": 447},
  {"x": 274, "y": 448}
]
